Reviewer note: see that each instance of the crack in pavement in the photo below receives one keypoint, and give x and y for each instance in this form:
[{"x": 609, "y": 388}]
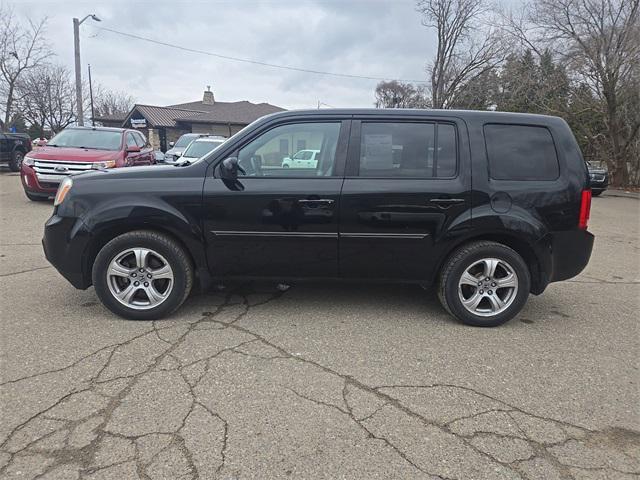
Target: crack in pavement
[
  {"x": 193, "y": 372},
  {"x": 24, "y": 271}
]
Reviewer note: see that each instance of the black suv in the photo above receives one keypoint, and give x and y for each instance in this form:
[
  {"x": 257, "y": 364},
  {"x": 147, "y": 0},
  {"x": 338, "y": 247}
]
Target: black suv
[
  {"x": 487, "y": 206},
  {"x": 13, "y": 147}
]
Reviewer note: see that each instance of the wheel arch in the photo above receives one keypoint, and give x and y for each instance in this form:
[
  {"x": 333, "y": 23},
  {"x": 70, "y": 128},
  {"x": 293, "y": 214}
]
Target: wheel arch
[
  {"x": 533, "y": 253},
  {"x": 108, "y": 232}
]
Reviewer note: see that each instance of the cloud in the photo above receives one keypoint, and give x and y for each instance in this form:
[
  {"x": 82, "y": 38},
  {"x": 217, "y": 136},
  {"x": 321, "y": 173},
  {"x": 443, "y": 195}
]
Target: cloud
[{"x": 363, "y": 37}]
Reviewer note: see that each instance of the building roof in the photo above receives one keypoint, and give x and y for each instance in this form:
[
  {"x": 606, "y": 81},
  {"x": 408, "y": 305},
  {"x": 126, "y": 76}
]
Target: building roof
[
  {"x": 242, "y": 112},
  {"x": 229, "y": 112}
]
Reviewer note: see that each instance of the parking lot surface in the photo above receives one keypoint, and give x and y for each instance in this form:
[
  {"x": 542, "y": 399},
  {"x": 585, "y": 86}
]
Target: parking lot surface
[{"x": 320, "y": 381}]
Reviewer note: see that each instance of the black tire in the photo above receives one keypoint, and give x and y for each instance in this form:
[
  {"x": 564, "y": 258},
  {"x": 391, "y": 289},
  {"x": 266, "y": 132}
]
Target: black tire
[
  {"x": 36, "y": 198},
  {"x": 16, "y": 160},
  {"x": 597, "y": 193},
  {"x": 175, "y": 256},
  {"x": 463, "y": 258},
  {"x": 286, "y": 165}
]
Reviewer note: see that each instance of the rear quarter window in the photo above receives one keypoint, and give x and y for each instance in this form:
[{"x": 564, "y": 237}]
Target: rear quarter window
[{"x": 520, "y": 152}]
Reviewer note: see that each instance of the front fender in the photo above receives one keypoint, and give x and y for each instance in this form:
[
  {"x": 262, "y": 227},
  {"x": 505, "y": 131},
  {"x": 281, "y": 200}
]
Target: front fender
[{"x": 107, "y": 219}]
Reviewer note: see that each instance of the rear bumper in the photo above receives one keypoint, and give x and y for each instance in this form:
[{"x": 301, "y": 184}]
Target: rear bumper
[
  {"x": 65, "y": 245},
  {"x": 570, "y": 252}
]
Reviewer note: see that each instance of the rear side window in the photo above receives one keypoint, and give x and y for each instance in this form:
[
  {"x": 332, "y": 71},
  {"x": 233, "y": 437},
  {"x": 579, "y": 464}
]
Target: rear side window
[
  {"x": 520, "y": 152},
  {"x": 413, "y": 150}
]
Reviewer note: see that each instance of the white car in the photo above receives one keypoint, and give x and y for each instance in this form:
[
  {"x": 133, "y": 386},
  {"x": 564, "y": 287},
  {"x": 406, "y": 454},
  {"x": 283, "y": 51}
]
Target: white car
[
  {"x": 200, "y": 147},
  {"x": 302, "y": 159}
]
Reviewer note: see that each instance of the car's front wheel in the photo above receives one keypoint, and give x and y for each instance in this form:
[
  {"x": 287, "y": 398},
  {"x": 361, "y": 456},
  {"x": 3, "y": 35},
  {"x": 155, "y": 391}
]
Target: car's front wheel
[
  {"x": 16, "y": 161},
  {"x": 484, "y": 284},
  {"x": 142, "y": 275}
]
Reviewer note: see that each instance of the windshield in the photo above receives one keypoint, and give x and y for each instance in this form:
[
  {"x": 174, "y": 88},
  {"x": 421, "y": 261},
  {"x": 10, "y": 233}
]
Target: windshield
[
  {"x": 185, "y": 140},
  {"x": 199, "y": 149},
  {"x": 94, "y": 139}
]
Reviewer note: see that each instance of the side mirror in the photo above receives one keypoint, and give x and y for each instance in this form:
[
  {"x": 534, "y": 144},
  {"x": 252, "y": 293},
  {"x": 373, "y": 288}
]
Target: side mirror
[
  {"x": 133, "y": 149},
  {"x": 229, "y": 169},
  {"x": 171, "y": 144}
]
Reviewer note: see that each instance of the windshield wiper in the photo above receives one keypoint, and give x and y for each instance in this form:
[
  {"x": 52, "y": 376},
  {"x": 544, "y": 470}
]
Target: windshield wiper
[{"x": 184, "y": 163}]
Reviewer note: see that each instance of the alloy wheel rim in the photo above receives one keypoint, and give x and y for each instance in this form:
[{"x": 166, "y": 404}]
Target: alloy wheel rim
[
  {"x": 140, "y": 278},
  {"x": 488, "y": 287}
]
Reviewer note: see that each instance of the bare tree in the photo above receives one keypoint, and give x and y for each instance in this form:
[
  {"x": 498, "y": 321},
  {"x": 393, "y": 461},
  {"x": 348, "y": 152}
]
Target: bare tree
[
  {"x": 111, "y": 102},
  {"x": 48, "y": 97},
  {"x": 599, "y": 41},
  {"x": 467, "y": 47},
  {"x": 22, "y": 48},
  {"x": 394, "y": 94}
]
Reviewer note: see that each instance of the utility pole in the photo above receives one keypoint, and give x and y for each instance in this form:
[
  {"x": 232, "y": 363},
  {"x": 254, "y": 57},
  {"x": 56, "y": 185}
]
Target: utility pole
[
  {"x": 93, "y": 114},
  {"x": 76, "y": 49}
]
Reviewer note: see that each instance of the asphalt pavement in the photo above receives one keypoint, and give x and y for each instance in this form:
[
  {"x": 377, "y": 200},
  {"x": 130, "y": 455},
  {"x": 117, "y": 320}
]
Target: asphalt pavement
[{"x": 319, "y": 381}]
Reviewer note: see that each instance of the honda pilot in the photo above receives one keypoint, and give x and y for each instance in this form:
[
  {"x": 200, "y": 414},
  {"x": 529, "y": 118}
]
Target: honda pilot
[{"x": 488, "y": 207}]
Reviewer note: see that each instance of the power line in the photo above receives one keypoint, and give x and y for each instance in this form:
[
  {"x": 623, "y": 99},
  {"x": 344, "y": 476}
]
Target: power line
[{"x": 254, "y": 62}]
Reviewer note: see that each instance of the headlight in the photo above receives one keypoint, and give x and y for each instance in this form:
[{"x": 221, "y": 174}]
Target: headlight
[
  {"x": 28, "y": 161},
  {"x": 63, "y": 189},
  {"x": 101, "y": 165}
]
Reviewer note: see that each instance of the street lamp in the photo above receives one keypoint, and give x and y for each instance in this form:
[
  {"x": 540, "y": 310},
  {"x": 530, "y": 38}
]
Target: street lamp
[{"x": 76, "y": 45}]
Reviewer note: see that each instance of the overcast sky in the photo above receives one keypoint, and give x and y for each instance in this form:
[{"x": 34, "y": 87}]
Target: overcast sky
[{"x": 379, "y": 38}]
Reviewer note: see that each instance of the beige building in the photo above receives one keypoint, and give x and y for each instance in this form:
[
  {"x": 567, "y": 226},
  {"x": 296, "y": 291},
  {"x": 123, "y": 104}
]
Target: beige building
[{"x": 165, "y": 124}]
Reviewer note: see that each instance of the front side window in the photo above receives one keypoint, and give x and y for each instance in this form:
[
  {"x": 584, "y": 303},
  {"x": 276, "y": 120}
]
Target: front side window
[
  {"x": 413, "y": 150},
  {"x": 520, "y": 152},
  {"x": 131, "y": 141},
  {"x": 268, "y": 155},
  {"x": 140, "y": 140},
  {"x": 89, "y": 138}
]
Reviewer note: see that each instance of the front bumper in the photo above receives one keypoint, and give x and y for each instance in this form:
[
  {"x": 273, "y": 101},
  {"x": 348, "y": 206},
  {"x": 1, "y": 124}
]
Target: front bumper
[
  {"x": 32, "y": 185},
  {"x": 65, "y": 244}
]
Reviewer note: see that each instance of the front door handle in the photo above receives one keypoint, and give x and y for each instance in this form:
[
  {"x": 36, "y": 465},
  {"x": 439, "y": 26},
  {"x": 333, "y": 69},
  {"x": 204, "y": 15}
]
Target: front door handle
[{"x": 319, "y": 201}]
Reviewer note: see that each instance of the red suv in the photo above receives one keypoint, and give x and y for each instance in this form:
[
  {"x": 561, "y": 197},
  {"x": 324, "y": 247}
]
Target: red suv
[{"x": 78, "y": 149}]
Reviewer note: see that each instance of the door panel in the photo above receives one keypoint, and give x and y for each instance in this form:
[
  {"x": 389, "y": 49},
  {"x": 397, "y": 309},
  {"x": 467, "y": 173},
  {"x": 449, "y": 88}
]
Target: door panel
[
  {"x": 273, "y": 227},
  {"x": 274, "y": 222},
  {"x": 392, "y": 224}
]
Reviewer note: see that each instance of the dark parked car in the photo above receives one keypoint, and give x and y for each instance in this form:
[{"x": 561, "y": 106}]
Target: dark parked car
[
  {"x": 13, "y": 148},
  {"x": 598, "y": 179},
  {"x": 490, "y": 207}
]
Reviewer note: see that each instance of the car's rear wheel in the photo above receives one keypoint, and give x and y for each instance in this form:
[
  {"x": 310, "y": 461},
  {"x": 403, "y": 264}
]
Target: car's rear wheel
[
  {"x": 142, "y": 275},
  {"x": 484, "y": 284},
  {"x": 16, "y": 161}
]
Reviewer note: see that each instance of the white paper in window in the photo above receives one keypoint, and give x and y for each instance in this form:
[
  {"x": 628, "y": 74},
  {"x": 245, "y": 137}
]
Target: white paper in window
[{"x": 378, "y": 152}]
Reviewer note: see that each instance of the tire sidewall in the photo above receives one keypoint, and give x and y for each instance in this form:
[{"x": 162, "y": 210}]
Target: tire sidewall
[
  {"x": 181, "y": 274},
  {"x": 16, "y": 161},
  {"x": 488, "y": 251}
]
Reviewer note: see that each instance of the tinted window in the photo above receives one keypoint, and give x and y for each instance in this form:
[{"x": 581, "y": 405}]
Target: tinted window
[
  {"x": 408, "y": 150},
  {"x": 266, "y": 156},
  {"x": 518, "y": 152}
]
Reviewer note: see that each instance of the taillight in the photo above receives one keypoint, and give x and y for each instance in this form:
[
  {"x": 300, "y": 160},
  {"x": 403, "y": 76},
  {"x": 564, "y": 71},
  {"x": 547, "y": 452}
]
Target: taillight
[{"x": 585, "y": 209}]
